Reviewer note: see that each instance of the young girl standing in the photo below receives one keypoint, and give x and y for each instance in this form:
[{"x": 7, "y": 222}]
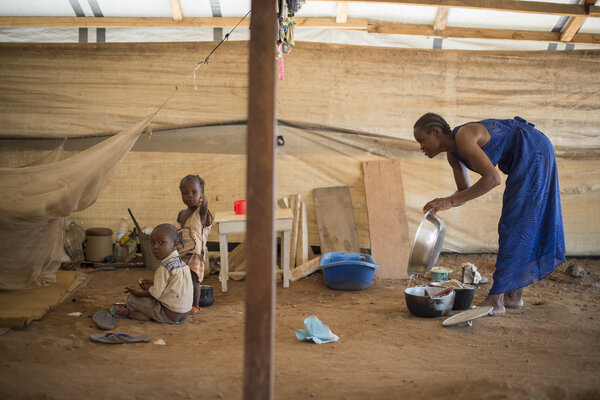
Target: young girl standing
[{"x": 196, "y": 222}]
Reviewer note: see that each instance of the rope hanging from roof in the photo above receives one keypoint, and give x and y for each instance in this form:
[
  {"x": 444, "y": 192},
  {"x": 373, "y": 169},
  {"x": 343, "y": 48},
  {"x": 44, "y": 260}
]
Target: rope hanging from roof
[{"x": 225, "y": 38}]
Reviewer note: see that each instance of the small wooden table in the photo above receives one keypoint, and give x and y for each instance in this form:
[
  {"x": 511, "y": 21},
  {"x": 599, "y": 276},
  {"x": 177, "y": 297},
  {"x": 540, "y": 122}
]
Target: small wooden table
[{"x": 229, "y": 222}]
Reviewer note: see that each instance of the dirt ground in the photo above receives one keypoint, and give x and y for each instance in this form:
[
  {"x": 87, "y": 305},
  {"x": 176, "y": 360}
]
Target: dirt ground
[{"x": 548, "y": 350}]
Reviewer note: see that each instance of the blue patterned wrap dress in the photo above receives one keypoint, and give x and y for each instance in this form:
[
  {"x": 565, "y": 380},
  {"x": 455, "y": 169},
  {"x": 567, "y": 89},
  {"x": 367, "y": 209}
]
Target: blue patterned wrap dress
[{"x": 531, "y": 239}]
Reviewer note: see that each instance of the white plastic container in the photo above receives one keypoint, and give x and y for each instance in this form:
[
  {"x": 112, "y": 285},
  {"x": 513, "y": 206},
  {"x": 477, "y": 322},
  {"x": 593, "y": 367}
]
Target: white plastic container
[{"x": 123, "y": 224}]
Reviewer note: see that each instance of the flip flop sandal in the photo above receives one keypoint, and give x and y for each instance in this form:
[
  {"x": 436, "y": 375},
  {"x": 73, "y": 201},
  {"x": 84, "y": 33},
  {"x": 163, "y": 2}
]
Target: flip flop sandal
[
  {"x": 104, "y": 320},
  {"x": 116, "y": 338},
  {"x": 513, "y": 307},
  {"x": 194, "y": 311}
]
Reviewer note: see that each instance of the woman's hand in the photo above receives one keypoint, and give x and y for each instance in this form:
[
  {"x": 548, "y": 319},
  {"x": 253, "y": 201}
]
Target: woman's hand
[{"x": 439, "y": 204}]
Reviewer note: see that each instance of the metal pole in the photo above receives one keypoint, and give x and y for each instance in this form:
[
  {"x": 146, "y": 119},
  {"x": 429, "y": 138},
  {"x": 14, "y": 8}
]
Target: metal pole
[{"x": 260, "y": 236}]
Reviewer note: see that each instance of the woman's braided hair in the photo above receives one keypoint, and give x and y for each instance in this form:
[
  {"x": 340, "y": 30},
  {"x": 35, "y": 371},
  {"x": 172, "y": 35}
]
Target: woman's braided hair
[{"x": 431, "y": 120}]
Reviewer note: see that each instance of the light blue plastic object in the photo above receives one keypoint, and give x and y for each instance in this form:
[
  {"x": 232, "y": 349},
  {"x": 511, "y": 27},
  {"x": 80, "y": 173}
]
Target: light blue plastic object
[
  {"x": 316, "y": 331},
  {"x": 347, "y": 271}
]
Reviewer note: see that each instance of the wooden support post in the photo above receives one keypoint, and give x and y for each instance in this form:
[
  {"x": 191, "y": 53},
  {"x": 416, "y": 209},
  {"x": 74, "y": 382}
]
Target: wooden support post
[{"x": 260, "y": 250}]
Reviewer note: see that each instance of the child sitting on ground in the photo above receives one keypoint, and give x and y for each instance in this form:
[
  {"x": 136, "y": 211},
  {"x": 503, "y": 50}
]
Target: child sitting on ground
[
  {"x": 167, "y": 298},
  {"x": 196, "y": 222}
]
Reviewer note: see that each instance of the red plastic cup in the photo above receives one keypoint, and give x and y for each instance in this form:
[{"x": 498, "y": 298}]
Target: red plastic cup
[{"x": 239, "y": 206}]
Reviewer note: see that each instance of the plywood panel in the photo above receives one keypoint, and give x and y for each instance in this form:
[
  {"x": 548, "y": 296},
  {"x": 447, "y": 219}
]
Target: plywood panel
[
  {"x": 335, "y": 220},
  {"x": 388, "y": 226}
]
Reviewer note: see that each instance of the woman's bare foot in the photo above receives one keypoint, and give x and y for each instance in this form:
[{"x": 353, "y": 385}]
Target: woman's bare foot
[
  {"x": 496, "y": 301},
  {"x": 513, "y": 298}
]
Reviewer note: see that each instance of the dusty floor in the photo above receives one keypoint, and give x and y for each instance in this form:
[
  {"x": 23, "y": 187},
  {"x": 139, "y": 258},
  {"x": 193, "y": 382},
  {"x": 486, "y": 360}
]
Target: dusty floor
[{"x": 548, "y": 350}]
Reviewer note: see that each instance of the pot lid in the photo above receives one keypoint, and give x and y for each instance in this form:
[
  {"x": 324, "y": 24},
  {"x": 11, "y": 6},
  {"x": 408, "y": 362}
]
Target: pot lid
[
  {"x": 99, "y": 232},
  {"x": 466, "y": 317},
  {"x": 442, "y": 270}
]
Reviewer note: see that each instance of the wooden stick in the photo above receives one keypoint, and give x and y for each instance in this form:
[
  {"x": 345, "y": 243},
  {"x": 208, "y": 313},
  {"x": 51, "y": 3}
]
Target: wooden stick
[
  {"x": 295, "y": 203},
  {"x": 305, "y": 269},
  {"x": 240, "y": 272},
  {"x": 283, "y": 203},
  {"x": 237, "y": 256},
  {"x": 302, "y": 250}
]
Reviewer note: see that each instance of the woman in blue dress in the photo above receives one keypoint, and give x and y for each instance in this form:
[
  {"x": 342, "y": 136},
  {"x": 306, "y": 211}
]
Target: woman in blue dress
[{"x": 531, "y": 239}]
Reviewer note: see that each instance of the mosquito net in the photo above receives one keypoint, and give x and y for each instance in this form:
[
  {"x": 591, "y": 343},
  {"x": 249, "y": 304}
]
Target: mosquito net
[{"x": 39, "y": 196}]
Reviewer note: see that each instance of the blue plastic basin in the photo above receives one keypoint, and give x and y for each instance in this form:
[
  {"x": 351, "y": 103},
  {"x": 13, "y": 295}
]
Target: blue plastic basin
[{"x": 347, "y": 271}]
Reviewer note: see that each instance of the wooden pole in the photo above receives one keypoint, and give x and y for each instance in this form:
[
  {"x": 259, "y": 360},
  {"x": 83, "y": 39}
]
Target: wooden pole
[{"x": 260, "y": 238}]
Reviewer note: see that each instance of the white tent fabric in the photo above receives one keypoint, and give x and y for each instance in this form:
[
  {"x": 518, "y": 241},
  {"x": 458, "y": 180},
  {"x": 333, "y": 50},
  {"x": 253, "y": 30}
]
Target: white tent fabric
[
  {"x": 37, "y": 198},
  {"x": 416, "y": 15}
]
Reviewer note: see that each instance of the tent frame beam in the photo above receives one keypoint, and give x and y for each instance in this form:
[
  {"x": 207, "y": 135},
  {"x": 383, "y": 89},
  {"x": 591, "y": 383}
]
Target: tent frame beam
[
  {"x": 577, "y": 14},
  {"x": 530, "y": 7},
  {"x": 360, "y": 24}
]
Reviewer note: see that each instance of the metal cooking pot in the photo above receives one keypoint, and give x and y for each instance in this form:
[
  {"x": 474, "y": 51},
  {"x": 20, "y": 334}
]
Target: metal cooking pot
[
  {"x": 427, "y": 245},
  {"x": 421, "y": 301}
]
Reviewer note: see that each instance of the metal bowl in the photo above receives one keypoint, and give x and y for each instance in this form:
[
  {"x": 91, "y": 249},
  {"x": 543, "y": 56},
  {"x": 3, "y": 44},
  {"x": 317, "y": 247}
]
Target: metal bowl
[
  {"x": 421, "y": 301},
  {"x": 427, "y": 245}
]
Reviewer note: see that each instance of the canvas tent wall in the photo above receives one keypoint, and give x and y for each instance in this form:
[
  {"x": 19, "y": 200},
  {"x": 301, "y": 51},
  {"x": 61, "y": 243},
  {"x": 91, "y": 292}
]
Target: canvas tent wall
[{"x": 89, "y": 90}]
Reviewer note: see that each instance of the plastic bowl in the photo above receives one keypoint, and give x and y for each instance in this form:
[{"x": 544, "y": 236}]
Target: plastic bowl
[
  {"x": 347, "y": 271},
  {"x": 439, "y": 274},
  {"x": 464, "y": 298},
  {"x": 421, "y": 304}
]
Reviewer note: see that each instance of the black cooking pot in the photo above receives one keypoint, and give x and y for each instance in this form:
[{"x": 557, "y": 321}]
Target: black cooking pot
[
  {"x": 421, "y": 301},
  {"x": 464, "y": 298},
  {"x": 206, "y": 296}
]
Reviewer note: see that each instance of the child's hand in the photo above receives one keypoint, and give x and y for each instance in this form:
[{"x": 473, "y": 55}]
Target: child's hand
[
  {"x": 131, "y": 289},
  {"x": 146, "y": 284}
]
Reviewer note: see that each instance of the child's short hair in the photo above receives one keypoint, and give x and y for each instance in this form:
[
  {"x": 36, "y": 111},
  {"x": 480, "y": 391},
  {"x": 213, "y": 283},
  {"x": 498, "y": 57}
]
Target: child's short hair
[
  {"x": 169, "y": 229},
  {"x": 190, "y": 177}
]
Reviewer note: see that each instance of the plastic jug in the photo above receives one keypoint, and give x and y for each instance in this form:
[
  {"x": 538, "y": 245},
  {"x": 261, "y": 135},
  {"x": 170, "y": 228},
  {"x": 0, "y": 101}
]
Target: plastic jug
[
  {"x": 74, "y": 244},
  {"x": 122, "y": 229}
]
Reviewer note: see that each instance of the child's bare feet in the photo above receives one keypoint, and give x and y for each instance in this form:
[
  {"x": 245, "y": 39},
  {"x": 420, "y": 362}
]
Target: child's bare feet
[
  {"x": 194, "y": 311},
  {"x": 513, "y": 298},
  {"x": 120, "y": 311},
  {"x": 496, "y": 301},
  {"x": 139, "y": 316}
]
